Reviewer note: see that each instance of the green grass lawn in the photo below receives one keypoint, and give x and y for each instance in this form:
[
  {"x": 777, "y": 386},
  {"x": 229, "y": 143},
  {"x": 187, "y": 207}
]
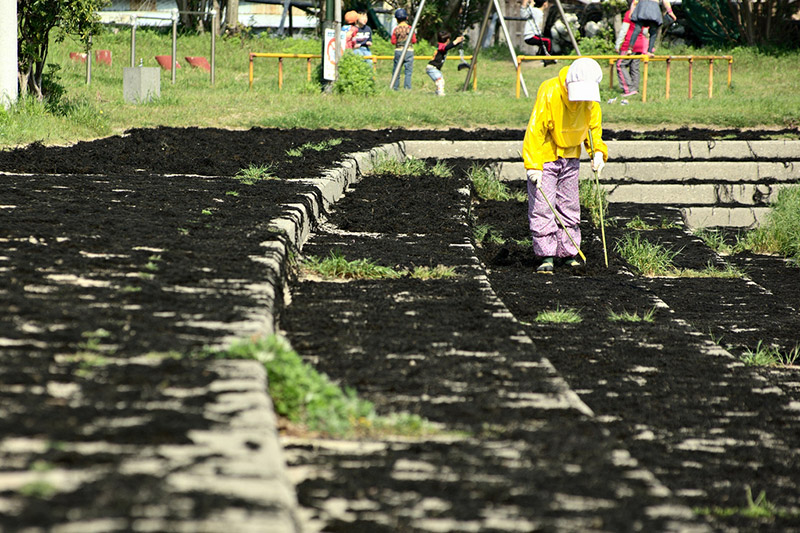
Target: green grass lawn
[{"x": 761, "y": 95}]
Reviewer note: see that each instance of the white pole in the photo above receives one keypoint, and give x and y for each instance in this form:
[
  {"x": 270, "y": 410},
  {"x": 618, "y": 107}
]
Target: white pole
[
  {"x": 337, "y": 28},
  {"x": 8, "y": 53},
  {"x": 406, "y": 45},
  {"x": 510, "y": 44}
]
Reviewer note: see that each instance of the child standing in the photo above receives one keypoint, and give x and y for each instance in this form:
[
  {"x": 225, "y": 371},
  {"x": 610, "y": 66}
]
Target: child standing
[
  {"x": 401, "y": 33},
  {"x": 628, "y": 69},
  {"x": 434, "y": 68},
  {"x": 566, "y": 110},
  {"x": 362, "y": 39},
  {"x": 349, "y": 29}
]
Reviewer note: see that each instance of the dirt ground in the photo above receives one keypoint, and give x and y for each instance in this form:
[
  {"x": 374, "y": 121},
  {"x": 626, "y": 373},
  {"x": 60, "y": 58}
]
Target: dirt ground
[{"x": 143, "y": 243}]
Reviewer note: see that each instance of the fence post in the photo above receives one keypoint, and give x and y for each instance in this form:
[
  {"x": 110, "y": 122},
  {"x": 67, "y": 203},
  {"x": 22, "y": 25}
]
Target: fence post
[
  {"x": 133, "y": 40},
  {"x": 280, "y": 73},
  {"x": 214, "y": 16},
  {"x": 691, "y": 75},
  {"x": 173, "y": 66},
  {"x": 251, "y": 69},
  {"x": 519, "y": 73},
  {"x": 730, "y": 70},
  {"x": 710, "y": 78},
  {"x": 646, "y": 61},
  {"x": 611, "y": 64},
  {"x": 669, "y": 62},
  {"x": 89, "y": 61}
]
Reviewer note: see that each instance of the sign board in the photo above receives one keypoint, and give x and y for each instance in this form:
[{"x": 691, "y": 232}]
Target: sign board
[{"x": 329, "y": 61}]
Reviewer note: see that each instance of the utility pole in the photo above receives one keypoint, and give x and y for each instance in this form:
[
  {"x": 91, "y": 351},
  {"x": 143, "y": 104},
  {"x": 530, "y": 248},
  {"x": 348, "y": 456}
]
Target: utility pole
[{"x": 8, "y": 53}]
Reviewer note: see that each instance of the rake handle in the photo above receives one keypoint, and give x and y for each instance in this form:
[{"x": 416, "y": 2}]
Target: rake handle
[{"x": 599, "y": 199}]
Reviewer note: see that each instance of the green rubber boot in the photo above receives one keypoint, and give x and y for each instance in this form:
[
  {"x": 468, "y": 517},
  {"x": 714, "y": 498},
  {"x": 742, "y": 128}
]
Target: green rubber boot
[{"x": 546, "y": 267}]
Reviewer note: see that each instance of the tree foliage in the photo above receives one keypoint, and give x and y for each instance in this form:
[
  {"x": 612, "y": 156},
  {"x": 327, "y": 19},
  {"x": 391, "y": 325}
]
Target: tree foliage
[
  {"x": 453, "y": 15},
  {"x": 35, "y": 20},
  {"x": 741, "y": 22}
]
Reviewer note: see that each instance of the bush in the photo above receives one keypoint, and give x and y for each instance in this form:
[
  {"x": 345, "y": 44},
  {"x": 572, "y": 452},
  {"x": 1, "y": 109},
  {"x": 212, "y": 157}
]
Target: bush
[
  {"x": 781, "y": 233},
  {"x": 355, "y": 76},
  {"x": 600, "y": 44}
]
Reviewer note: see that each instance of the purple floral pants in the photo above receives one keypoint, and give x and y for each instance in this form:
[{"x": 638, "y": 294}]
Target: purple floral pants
[{"x": 560, "y": 185}]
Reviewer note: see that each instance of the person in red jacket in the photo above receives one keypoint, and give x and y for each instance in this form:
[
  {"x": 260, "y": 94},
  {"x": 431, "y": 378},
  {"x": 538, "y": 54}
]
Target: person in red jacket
[
  {"x": 434, "y": 68},
  {"x": 401, "y": 33},
  {"x": 628, "y": 69}
]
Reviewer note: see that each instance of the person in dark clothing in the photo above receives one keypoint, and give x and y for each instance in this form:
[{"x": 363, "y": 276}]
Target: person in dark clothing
[
  {"x": 647, "y": 13},
  {"x": 434, "y": 68},
  {"x": 362, "y": 40}
]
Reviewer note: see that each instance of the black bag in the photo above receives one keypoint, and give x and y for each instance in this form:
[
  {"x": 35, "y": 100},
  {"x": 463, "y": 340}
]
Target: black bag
[{"x": 647, "y": 12}]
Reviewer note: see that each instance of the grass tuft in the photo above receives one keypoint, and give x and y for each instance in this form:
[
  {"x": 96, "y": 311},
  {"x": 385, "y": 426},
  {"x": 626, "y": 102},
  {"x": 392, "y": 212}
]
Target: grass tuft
[
  {"x": 437, "y": 272},
  {"x": 710, "y": 271},
  {"x": 255, "y": 173},
  {"x": 486, "y": 233},
  {"x": 393, "y": 167},
  {"x": 765, "y": 355},
  {"x": 781, "y": 233},
  {"x": 316, "y": 147},
  {"x": 558, "y": 316},
  {"x": 592, "y": 200},
  {"x": 758, "y": 508},
  {"x": 636, "y": 223},
  {"x": 488, "y": 187},
  {"x": 336, "y": 266},
  {"x": 626, "y": 316},
  {"x": 307, "y": 397},
  {"x": 647, "y": 258}
]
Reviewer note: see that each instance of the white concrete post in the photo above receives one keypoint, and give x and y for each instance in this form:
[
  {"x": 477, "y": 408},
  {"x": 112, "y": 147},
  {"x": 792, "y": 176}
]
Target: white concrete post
[{"x": 8, "y": 53}]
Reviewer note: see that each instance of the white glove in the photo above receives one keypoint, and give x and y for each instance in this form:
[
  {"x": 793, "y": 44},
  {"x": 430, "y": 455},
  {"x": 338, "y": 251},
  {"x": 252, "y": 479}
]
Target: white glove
[
  {"x": 535, "y": 176},
  {"x": 597, "y": 162}
]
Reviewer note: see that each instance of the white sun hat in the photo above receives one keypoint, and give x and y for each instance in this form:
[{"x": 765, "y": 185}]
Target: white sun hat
[{"x": 583, "y": 80}]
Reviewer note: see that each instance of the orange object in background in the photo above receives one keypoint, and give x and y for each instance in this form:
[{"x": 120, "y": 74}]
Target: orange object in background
[
  {"x": 78, "y": 56},
  {"x": 165, "y": 61},
  {"x": 198, "y": 62},
  {"x": 103, "y": 57}
]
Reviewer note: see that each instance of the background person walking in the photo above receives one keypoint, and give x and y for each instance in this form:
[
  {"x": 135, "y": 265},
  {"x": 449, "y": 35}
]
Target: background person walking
[
  {"x": 566, "y": 109},
  {"x": 628, "y": 69},
  {"x": 647, "y": 13}
]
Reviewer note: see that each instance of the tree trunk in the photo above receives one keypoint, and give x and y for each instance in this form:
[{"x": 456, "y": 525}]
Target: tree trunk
[
  {"x": 232, "y": 15},
  {"x": 747, "y": 11}
]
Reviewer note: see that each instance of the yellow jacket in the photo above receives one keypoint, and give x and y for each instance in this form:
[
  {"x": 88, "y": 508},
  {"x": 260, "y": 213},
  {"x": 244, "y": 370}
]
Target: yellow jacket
[{"x": 558, "y": 127}]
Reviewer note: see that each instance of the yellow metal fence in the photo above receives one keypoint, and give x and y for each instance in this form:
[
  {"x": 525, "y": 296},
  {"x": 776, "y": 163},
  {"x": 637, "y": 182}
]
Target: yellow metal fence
[
  {"x": 646, "y": 60},
  {"x": 612, "y": 59},
  {"x": 309, "y": 57}
]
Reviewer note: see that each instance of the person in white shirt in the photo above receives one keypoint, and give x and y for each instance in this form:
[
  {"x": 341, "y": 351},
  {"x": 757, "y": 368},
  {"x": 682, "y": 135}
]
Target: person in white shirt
[{"x": 533, "y": 12}]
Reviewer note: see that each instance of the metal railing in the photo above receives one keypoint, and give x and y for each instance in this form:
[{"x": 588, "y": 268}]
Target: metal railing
[
  {"x": 308, "y": 57},
  {"x": 612, "y": 60}
]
